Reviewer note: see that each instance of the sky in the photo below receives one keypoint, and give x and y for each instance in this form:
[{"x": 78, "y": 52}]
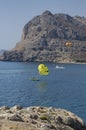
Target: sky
[{"x": 14, "y": 14}]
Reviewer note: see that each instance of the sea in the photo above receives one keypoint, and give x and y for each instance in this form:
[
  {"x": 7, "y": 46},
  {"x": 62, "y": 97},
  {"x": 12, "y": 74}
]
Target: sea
[{"x": 64, "y": 87}]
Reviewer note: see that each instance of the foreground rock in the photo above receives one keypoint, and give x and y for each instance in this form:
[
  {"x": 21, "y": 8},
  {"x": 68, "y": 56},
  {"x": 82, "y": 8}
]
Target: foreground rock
[{"x": 39, "y": 118}]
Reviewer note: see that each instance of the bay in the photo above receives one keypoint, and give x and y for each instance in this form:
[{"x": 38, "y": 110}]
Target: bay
[{"x": 63, "y": 88}]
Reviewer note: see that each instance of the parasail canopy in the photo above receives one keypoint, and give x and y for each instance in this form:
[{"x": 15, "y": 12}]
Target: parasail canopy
[
  {"x": 43, "y": 69},
  {"x": 68, "y": 44}
]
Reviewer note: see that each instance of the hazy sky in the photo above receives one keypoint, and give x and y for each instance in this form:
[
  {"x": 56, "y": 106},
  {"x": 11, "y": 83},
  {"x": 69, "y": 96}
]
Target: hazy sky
[{"x": 14, "y": 14}]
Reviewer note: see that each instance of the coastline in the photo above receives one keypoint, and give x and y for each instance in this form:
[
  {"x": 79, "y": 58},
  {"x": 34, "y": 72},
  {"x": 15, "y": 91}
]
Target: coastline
[{"x": 61, "y": 62}]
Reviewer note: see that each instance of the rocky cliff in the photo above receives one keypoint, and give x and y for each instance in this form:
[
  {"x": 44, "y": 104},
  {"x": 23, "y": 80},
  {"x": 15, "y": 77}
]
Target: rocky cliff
[
  {"x": 44, "y": 39},
  {"x": 39, "y": 118},
  {"x": 1, "y": 54}
]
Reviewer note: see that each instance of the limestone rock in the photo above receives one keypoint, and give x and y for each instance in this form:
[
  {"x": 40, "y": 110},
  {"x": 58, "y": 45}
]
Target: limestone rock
[
  {"x": 39, "y": 118},
  {"x": 44, "y": 38}
]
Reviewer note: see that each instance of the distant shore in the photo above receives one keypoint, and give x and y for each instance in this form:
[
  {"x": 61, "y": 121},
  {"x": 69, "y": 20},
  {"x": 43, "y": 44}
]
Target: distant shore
[{"x": 60, "y": 62}]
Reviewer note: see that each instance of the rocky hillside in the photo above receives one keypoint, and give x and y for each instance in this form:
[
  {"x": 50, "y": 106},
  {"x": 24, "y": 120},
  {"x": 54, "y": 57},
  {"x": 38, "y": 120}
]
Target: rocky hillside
[
  {"x": 44, "y": 39},
  {"x": 1, "y": 52},
  {"x": 39, "y": 118}
]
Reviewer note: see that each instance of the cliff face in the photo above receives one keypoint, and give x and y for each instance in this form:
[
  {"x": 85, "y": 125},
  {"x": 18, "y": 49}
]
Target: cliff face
[{"x": 44, "y": 38}]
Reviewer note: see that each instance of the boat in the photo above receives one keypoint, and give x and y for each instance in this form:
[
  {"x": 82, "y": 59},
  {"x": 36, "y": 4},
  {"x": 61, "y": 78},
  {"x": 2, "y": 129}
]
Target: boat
[
  {"x": 59, "y": 67},
  {"x": 34, "y": 79}
]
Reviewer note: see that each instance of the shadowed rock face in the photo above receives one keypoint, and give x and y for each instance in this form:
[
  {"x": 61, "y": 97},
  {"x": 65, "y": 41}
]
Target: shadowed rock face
[
  {"x": 39, "y": 118},
  {"x": 44, "y": 38}
]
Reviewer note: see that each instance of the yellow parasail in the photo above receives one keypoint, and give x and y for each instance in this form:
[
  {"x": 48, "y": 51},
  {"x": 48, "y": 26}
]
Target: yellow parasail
[
  {"x": 43, "y": 69},
  {"x": 68, "y": 44}
]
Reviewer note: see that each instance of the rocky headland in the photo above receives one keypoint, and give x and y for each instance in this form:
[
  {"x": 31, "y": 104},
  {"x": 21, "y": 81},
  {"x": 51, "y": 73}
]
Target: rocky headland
[
  {"x": 39, "y": 118},
  {"x": 44, "y": 39}
]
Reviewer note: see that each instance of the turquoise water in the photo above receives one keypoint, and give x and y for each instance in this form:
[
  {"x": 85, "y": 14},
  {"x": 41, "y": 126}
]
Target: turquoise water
[{"x": 62, "y": 88}]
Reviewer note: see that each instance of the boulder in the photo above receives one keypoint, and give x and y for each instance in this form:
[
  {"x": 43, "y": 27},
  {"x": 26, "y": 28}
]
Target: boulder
[{"x": 39, "y": 118}]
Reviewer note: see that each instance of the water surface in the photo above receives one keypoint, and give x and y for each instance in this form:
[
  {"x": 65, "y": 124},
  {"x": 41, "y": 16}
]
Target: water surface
[{"x": 62, "y": 88}]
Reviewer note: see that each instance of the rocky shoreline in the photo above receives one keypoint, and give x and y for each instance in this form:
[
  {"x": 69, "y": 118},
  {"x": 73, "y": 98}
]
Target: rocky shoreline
[{"x": 39, "y": 118}]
